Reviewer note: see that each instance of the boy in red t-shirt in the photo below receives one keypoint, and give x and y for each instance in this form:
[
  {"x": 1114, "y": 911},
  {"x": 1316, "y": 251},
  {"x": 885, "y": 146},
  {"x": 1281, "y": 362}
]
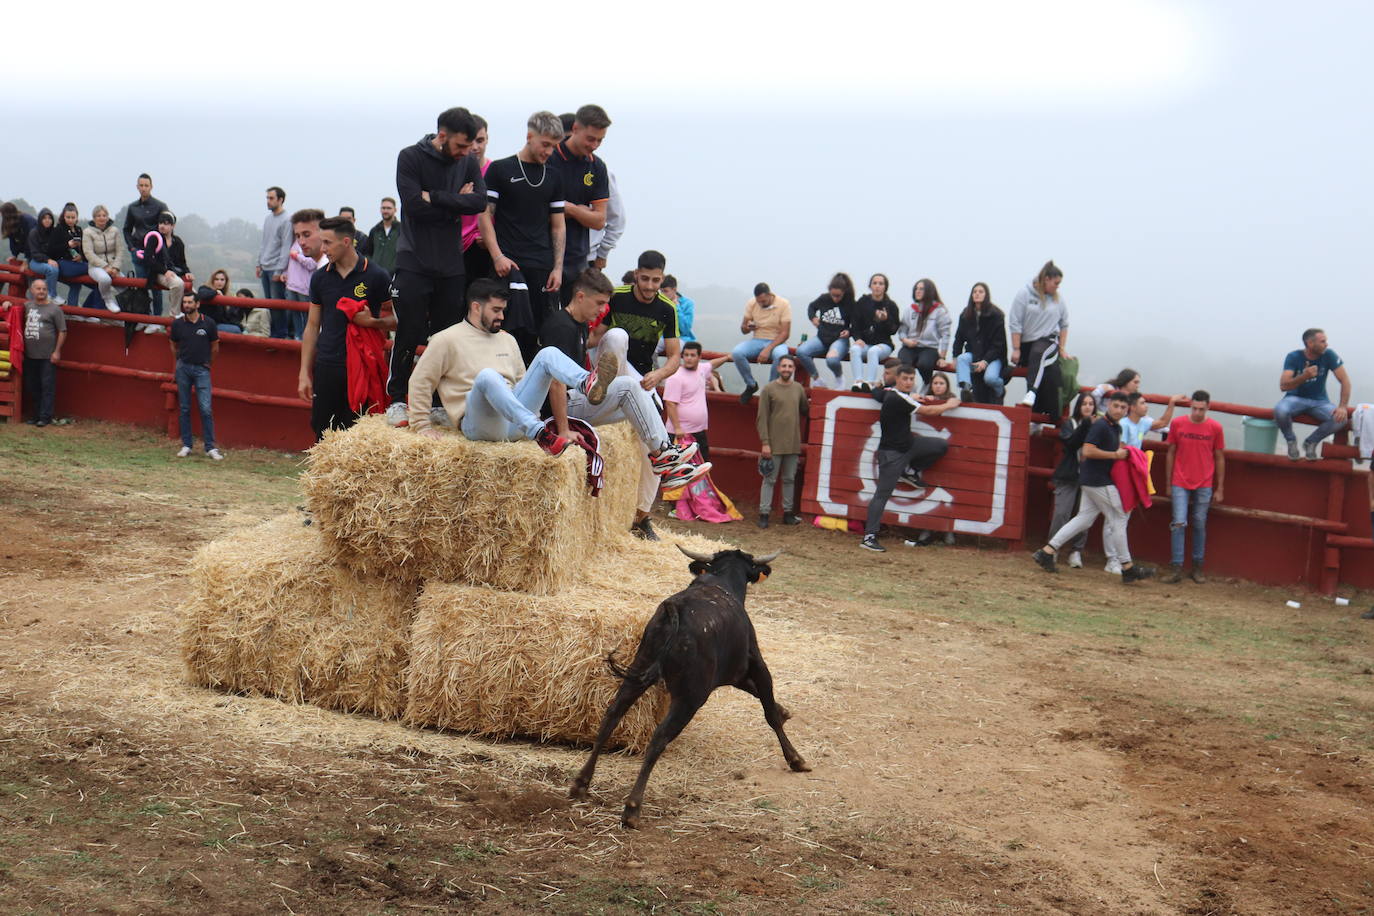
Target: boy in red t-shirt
[{"x": 1196, "y": 470}]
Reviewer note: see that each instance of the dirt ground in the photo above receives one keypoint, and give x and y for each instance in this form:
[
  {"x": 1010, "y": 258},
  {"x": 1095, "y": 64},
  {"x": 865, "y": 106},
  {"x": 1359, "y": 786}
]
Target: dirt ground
[{"x": 984, "y": 738}]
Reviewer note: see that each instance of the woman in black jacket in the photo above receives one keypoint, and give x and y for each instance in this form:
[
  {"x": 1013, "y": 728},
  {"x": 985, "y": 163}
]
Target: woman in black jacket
[
  {"x": 64, "y": 247},
  {"x": 831, "y": 315},
  {"x": 164, "y": 256},
  {"x": 875, "y": 321},
  {"x": 980, "y": 346},
  {"x": 1072, "y": 433}
]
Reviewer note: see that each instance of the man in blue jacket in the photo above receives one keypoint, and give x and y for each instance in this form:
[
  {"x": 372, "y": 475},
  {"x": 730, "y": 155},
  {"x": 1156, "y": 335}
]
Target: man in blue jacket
[{"x": 438, "y": 184}]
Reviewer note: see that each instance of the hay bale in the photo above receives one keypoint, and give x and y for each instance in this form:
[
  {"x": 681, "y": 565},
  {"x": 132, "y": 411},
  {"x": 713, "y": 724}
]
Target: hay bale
[
  {"x": 269, "y": 615},
  {"x": 392, "y": 504},
  {"x": 502, "y": 664}
]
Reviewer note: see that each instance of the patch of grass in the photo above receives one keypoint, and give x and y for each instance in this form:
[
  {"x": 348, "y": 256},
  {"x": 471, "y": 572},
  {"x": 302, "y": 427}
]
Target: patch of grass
[{"x": 487, "y": 849}]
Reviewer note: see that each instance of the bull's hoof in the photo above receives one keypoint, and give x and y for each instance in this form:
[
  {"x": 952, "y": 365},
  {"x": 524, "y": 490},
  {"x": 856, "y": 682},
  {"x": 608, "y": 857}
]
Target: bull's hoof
[
  {"x": 630, "y": 821},
  {"x": 578, "y": 791},
  {"x": 799, "y": 766},
  {"x": 782, "y": 712}
]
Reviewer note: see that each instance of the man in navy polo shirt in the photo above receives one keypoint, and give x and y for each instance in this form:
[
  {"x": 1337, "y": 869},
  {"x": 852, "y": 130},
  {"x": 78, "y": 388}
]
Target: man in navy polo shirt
[
  {"x": 324, "y": 345},
  {"x": 586, "y": 187},
  {"x": 1303, "y": 383},
  {"x": 195, "y": 344}
]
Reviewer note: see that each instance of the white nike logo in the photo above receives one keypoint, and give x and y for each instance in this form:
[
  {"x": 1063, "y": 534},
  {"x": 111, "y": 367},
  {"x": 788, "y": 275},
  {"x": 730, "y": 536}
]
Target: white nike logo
[{"x": 516, "y": 178}]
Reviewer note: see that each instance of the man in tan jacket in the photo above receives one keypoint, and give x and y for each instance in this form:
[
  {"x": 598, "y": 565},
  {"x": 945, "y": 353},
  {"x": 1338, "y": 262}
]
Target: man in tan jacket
[{"x": 483, "y": 383}]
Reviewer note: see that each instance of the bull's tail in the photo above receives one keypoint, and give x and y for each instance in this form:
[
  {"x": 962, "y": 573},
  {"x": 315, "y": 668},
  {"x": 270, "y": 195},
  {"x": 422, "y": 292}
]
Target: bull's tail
[{"x": 646, "y": 672}]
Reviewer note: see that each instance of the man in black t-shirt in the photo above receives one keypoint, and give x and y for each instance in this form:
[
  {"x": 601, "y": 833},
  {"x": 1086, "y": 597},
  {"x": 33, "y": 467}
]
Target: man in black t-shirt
[
  {"x": 195, "y": 344},
  {"x": 901, "y": 453},
  {"x": 324, "y": 345},
  {"x": 625, "y": 399},
  {"x": 586, "y": 186},
  {"x": 523, "y": 229},
  {"x": 1101, "y": 449},
  {"x": 640, "y": 317}
]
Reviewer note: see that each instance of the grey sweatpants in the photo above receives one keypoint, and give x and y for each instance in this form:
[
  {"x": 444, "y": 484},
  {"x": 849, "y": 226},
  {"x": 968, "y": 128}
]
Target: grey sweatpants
[
  {"x": 1065, "y": 508},
  {"x": 1106, "y": 502},
  {"x": 786, "y": 465}
]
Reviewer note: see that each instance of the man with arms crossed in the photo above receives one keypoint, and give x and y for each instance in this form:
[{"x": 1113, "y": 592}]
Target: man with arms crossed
[
  {"x": 1196, "y": 471},
  {"x": 324, "y": 343}
]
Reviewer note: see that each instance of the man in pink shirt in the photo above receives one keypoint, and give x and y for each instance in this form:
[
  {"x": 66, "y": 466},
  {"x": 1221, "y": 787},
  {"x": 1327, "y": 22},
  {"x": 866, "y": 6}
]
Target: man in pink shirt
[{"x": 684, "y": 395}]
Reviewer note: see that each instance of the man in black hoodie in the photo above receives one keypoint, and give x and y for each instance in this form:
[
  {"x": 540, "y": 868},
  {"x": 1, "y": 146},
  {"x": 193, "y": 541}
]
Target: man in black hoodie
[{"x": 438, "y": 184}]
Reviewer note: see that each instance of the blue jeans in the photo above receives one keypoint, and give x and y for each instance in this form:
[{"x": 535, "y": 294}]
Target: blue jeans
[
  {"x": 289, "y": 325},
  {"x": 1201, "y": 499},
  {"x": 228, "y": 328},
  {"x": 748, "y": 350},
  {"x": 834, "y": 356},
  {"x": 187, "y": 376},
  {"x": 865, "y": 360},
  {"x": 992, "y": 375},
  {"x": 141, "y": 270},
  {"x": 273, "y": 289},
  {"x": 497, "y": 413},
  {"x": 50, "y": 274},
  {"x": 1320, "y": 409}
]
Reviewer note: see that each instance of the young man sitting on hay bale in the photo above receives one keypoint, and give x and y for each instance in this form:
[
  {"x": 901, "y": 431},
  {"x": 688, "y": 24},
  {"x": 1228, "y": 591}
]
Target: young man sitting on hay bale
[
  {"x": 483, "y": 383},
  {"x": 567, "y": 330}
]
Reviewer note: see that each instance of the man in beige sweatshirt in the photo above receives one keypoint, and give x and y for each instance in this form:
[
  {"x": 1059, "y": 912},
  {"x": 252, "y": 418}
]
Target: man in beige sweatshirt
[{"x": 483, "y": 383}]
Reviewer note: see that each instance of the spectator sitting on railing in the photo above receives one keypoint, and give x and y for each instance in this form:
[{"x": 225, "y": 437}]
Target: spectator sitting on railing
[
  {"x": 306, "y": 257},
  {"x": 256, "y": 322},
  {"x": 1138, "y": 424},
  {"x": 768, "y": 321},
  {"x": 831, "y": 314},
  {"x": 16, "y": 226},
  {"x": 1127, "y": 380},
  {"x": 45, "y": 330},
  {"x": 875, "y": 321},
  {"x": 64, "y": 246},
  {"x": 100, "y": 243},
  {"x": 40, "y": 262},
  {"x": 924, "y": 331},
  {"x": 164, "y": 261},
  {"x": 1304, "y": 385},
  {"x": 227, "y": 319},
  {"x": 980, "y": 346}
]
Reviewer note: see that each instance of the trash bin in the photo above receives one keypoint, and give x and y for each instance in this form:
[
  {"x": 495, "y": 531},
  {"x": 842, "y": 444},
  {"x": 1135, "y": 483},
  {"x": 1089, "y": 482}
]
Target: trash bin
[{"x": 1260, "y": 435}]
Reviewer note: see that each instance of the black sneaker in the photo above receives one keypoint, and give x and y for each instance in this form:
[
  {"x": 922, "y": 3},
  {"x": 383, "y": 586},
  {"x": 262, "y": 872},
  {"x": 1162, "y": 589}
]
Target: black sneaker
[
  {"x": 644, "y": 530},
  {"x": 763, "y": 519},
  {"x": 870, "y": 542},
  {"x": 966, "y": 392},
  {"x": 914, "y": 478},
  {"x": 1136, "y": 573},
  {"x": 748, "y": 392},
  {"x": 1368, "y": 615},
  {"x": 1044, "y": 560},
  {"x": 790, "y": 518}
]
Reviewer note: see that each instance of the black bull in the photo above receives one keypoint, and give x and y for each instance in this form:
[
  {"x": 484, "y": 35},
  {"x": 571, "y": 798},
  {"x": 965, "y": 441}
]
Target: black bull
[{"x": 698, "y": 640}]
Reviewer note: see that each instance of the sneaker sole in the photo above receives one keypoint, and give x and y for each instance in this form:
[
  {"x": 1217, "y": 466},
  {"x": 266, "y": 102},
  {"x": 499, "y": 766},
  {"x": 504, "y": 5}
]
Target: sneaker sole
[
  {"x": 607, "y": 367},
  {"x": 872, "y": 548},
  {"x": 697, "y": 471}
]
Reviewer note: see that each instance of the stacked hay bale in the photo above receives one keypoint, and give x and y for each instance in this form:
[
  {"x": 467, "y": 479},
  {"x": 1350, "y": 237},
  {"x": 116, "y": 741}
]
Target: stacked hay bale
[{"x": 474, "y": 586}]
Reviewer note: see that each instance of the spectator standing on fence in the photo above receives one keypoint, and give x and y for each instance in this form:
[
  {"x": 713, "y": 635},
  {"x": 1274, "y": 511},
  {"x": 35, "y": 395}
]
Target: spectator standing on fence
[
  {"x": 924, "y": 331},
  {"x": 306, "y": 256},
  {"x": 586, "y": 187},
  {"x": 40, "y": 261},
  {"x": 1101, "y": 449},
  {"x": 1196, "y": 471},
  {"x": 980, "y": 346},
  {"x": 768, "y": 321},
  {"x": 1072, "y": 434},
  {"x": 100, "y": 243},
  {"x": 523, "y": 230},
  {"x": 325, "y": 380},
  {"x": 195, "y": 344},
  {"x": 1039, "y": 325},
  {"x": 164, "y": 262},
  {"x": 438, "y": 183},
  {"x": 140, "y": 218},
  {"x": 382, "y": 237},
  {"x": 45, "y": 330},
  {"x": 361, "y": 240},
  {"x": 831, "y": 315},
  {"x": 782, "y": 404},
  {"x": 684, "y": 397},
  {"x": 901, "y": 454},
  {"x": 875, "y": 321},
  {"x": 275, "y": 251},
  {"x": 1303, "y": 383}
]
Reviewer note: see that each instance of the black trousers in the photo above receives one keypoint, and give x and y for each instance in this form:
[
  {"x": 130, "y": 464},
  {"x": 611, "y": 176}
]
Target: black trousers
[
  {"x": 924, "y": 451},
  {"x": 1041, "y": 359},
  {"x": 476, "y": 265},
  {"x": 40, "y": 382},
  {"x": 424, "y": 305},
  {"x": 923, "y": 358},
  {"x": 329, "y": 409}
]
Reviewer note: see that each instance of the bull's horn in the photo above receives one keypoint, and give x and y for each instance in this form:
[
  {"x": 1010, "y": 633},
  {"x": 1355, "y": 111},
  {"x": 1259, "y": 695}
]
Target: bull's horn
[
  {"x": 769, "y": 558},
  {"x": 702, "y": 557}
]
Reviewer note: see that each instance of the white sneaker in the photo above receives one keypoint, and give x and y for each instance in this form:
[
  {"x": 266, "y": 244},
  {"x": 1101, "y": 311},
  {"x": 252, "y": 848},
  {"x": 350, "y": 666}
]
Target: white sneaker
[
  {"x": 152, "y": 329},
  {"x": 1076, "y": 560},
  {"x": 398, "y": 414},
  {"x": 818, "y": 382},
  {"x": 1113, "y": 566},
  {"x": 185, "y": 452},
  {"x": 112, "y": 305},
  {"x": 1029, "y": 399},
  {"x": 215, "y": 454}
]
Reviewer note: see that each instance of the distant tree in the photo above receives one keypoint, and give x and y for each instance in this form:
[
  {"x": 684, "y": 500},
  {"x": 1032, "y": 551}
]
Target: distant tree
[
  {"x": 238, "y": 233},
  {"x": 193, "y": 229},
  {"x": 24, "y": 206}
]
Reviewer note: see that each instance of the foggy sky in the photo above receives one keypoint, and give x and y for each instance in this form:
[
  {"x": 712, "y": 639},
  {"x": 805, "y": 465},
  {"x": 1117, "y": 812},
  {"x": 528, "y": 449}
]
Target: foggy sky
[{"x": 1199, "y": 172}]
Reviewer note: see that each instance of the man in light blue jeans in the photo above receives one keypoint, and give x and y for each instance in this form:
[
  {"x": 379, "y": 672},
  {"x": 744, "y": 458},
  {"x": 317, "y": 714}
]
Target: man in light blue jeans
[{"x": 1304, "y": 385}]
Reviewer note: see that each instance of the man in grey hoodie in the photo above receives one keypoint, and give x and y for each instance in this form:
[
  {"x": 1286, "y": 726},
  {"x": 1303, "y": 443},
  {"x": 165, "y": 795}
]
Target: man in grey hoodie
[
  {"x": 438, "y": 184},
  {"x": 1039, "y": 325}
]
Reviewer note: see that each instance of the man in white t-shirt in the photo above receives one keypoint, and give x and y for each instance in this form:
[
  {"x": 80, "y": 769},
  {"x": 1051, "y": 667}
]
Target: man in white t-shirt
[{"x": 684, "y": 396}]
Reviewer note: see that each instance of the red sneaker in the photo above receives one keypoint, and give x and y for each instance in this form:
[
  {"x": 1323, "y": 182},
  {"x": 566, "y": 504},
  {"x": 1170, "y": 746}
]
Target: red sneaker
[{"x": 551, "y": 442}]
